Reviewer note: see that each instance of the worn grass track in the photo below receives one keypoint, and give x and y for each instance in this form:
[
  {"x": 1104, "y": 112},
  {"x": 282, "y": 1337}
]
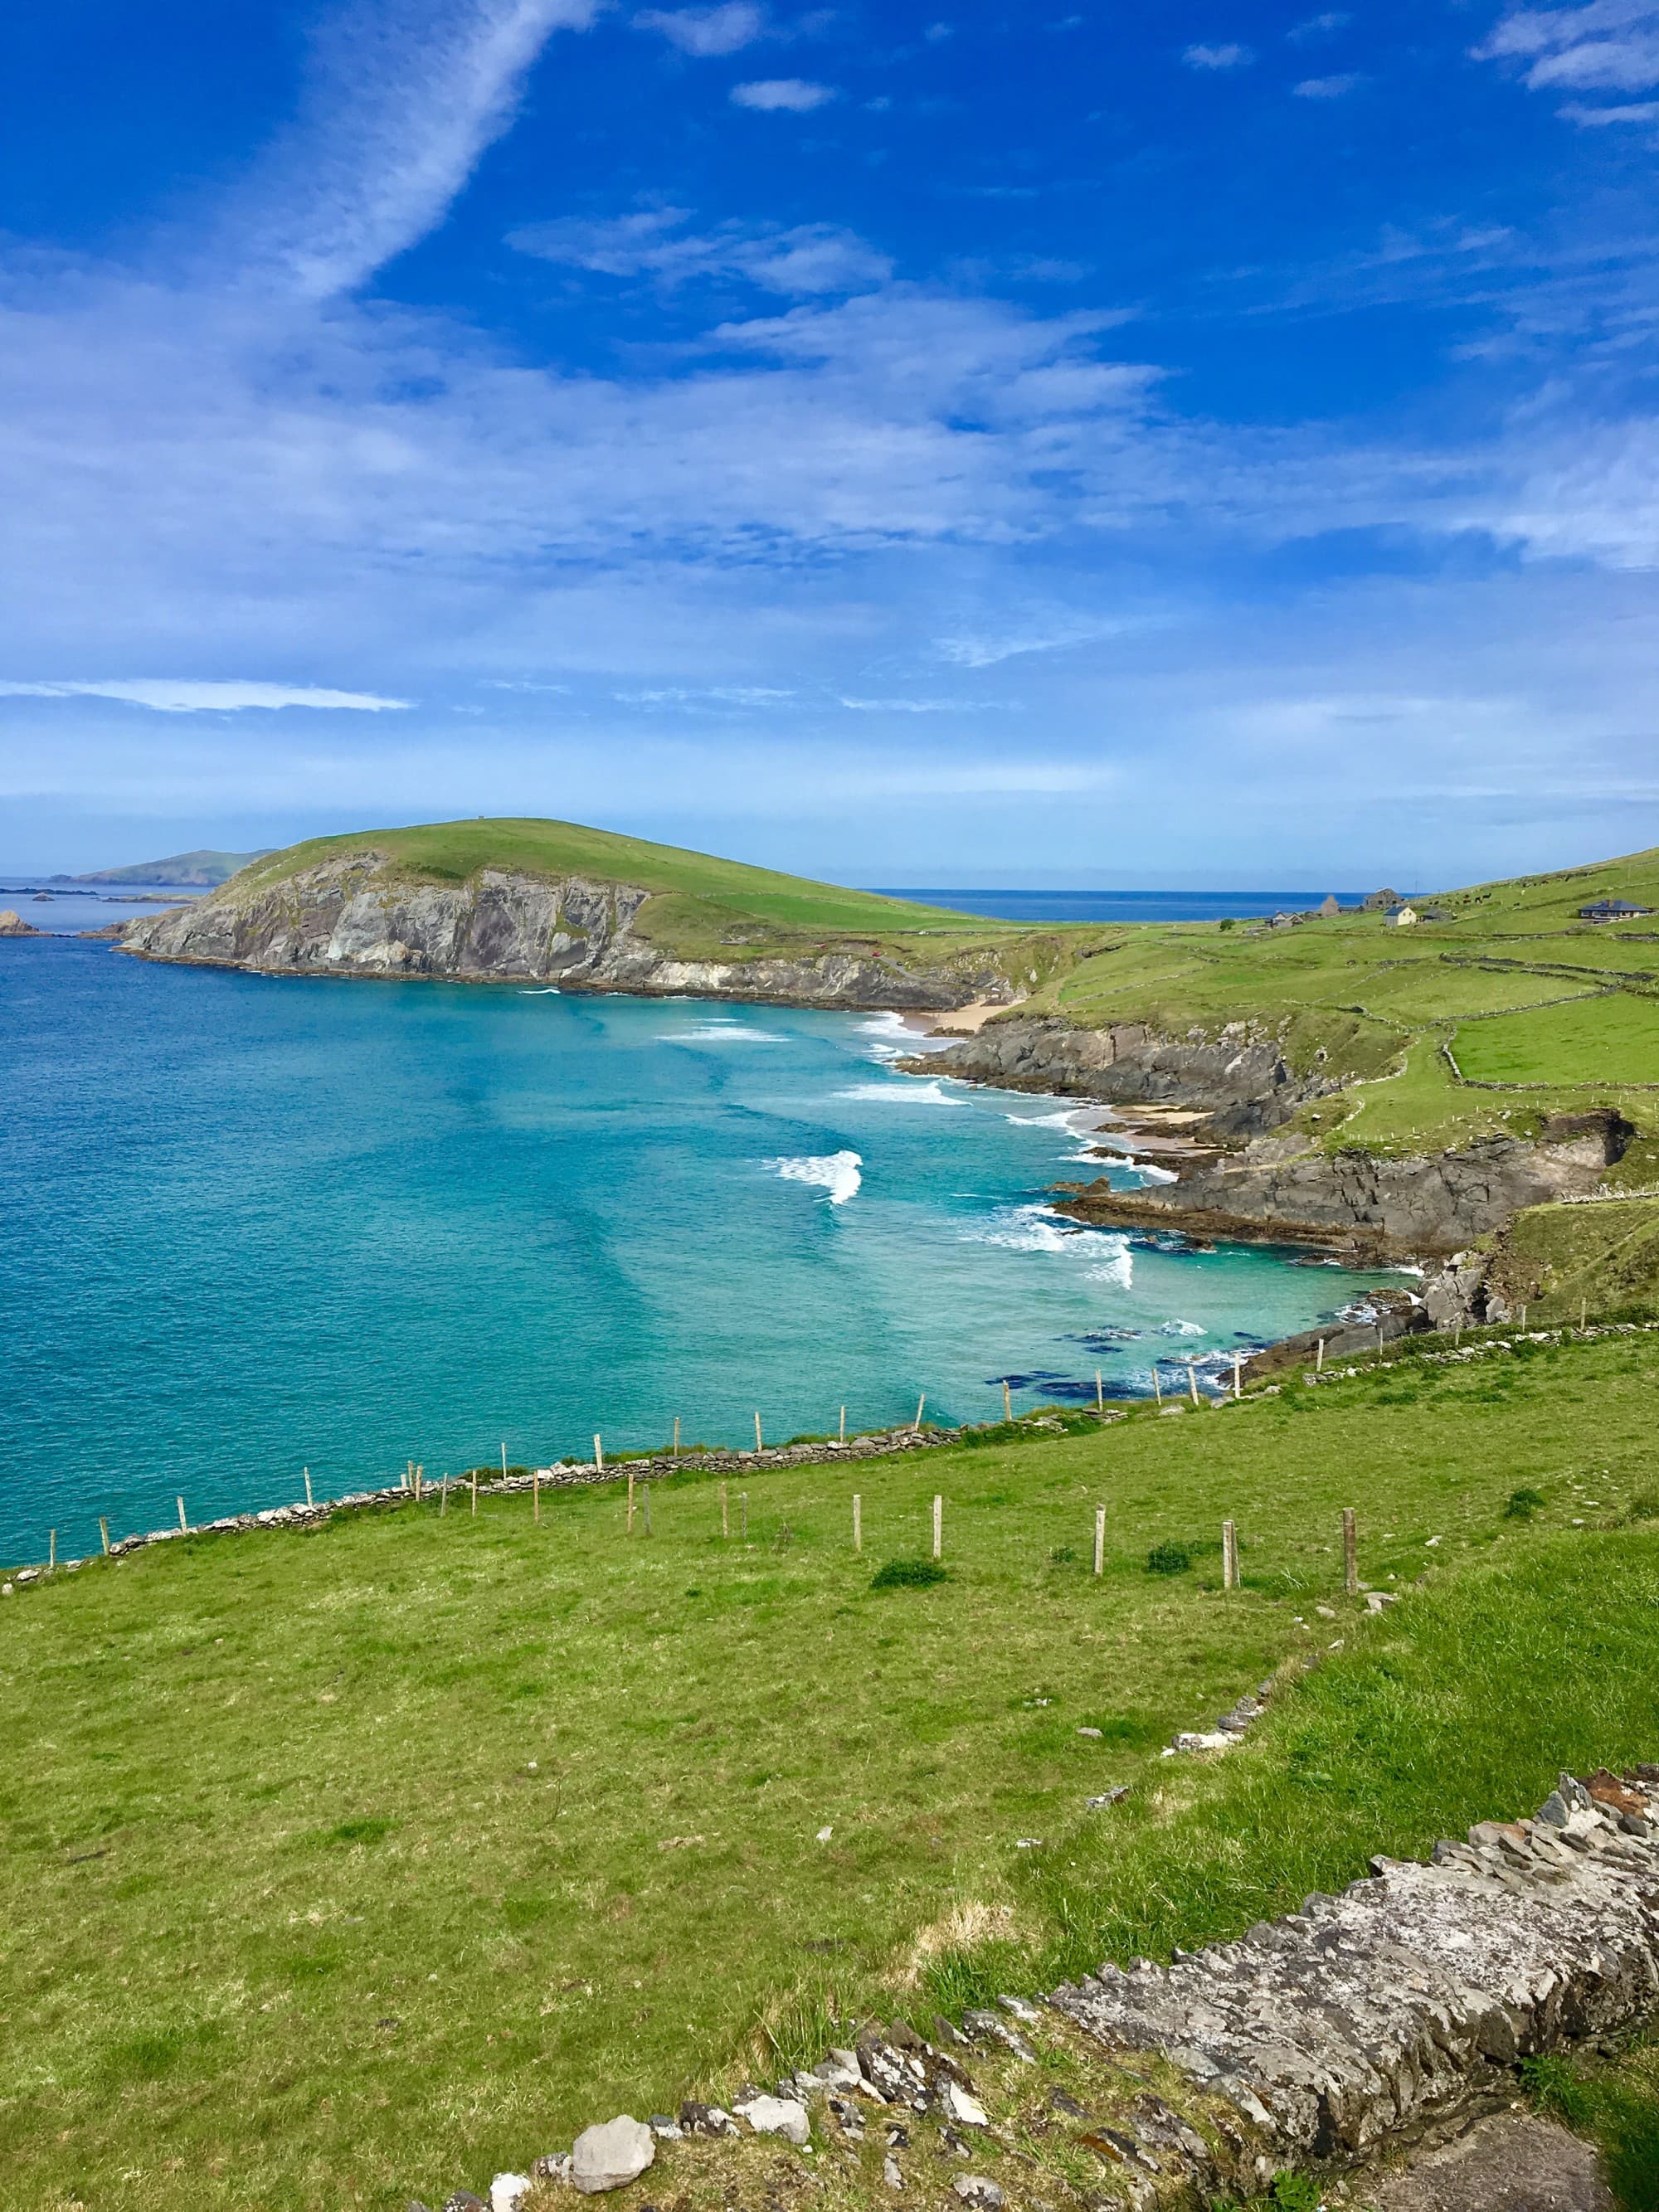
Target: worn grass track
[{"x": 347, "y": 1865}]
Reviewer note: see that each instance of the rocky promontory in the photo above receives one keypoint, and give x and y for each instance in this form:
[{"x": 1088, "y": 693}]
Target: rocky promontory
[{"x": 357, "y": 913}]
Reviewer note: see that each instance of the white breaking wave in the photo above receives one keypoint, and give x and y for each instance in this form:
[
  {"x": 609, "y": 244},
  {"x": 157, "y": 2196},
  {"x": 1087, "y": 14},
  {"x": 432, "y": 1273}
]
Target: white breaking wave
[
  {"x": 1042, "y": 1121},
  {"x": 1038, "y": 1228},
  {"x": 547, "y": 991},
  {"x": 725, "y": 1033},
  {"x": 1182, "y": 1328},
  {"x": 837, "y": 1172},
  {"x": 1120, "y": 1269},
  {"x": 909, "y": 1092},
  {"x": 1154, "y": 1174}
]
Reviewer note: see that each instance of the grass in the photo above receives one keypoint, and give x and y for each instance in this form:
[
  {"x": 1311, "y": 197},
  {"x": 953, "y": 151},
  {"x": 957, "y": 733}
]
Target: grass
[{"x": 347, "y": 1865}]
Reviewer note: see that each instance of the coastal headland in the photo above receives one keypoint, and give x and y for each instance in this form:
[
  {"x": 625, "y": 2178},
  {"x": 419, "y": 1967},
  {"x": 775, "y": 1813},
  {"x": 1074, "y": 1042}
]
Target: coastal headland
[{"x": 1388, "y": 1084}]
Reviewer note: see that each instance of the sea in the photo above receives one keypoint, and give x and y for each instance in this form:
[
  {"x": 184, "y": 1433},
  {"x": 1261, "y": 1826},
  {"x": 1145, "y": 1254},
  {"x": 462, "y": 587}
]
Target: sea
[{"x": 254, "y": 1226}]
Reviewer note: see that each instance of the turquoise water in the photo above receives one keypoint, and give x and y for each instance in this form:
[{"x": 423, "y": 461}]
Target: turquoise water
[{"x": 250, "y": 1225}]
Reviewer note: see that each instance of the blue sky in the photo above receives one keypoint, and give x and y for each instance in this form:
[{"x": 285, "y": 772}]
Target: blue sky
[{"x": 1212, "y": 443}]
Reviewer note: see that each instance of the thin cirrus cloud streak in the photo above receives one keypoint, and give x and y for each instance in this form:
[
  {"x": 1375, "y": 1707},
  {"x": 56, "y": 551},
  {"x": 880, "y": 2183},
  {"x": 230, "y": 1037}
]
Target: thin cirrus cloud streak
[
  {"x": 791, "y": 95},
  {"x": 404, "y": 96},
  {"x": 190, "y": 696},
  {"x": 655, "y": 244}
]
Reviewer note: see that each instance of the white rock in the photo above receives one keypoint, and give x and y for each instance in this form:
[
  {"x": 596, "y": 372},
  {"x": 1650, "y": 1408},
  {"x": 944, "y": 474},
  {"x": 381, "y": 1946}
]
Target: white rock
[
  {"x": 611, "y": 2155},
  {"x": 967, "y": 2111},
  {"x": 978, "y": 2190},
  {"x": 891, "y": 2174},
  {"x": 824, "y": 1834},
  {"x": 840, "y": 2070},
  {"x": 777, "y": 2116},
  {"x": 507, "y": 2192}
]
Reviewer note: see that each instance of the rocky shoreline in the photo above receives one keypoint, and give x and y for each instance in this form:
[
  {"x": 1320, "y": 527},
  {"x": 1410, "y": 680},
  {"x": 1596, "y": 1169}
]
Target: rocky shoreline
[{"x": 353, "y": 916}]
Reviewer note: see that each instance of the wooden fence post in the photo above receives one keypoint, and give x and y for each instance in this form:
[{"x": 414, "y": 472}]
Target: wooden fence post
[
  {"x": 536, "y": 1494},
  {"x": 1229, "y": 1556},
  {"x": 443, "y": 1499},
  {"x": 858, "y": 1522},
  {"x": 420, "y": 1483},
  {"x": 1192, "y": 1381},
  {"x": 503, "y": 1463},
  {"x": 1158, "y": 1385},
  {"x": 598, "y": 1456},
  {"x": 743, "y": 1516},
  {"x": 677, "y": 1436},
  {"x": 647, "y": 1505},
  {"x": 1099, "y": 1539},
  {"x": 1319, "y": 1357},
  {"x": 103, "y": 1530},
  {"x": 1007, "y": 1402},
  {"x": 726, "y": 1522},
  {"x": 309, "y": 1500},
  {"x": 1238, "y": 1375},
  {"x": 184, "y": 1525},
  {"x": 843, "y": 1424},
  {"x": 1350, "y": 1552},
  {"x": 916, "y": 1425},
  {"x": 1100, "y": 1393},
  {"x": 475, "y": 1493},
  {"x": 938, "y": 1527},
  {"x": 630, "y": 1501},
  {"x": 759, "y": 1446},
  {"x": 51, "y": 1557}
]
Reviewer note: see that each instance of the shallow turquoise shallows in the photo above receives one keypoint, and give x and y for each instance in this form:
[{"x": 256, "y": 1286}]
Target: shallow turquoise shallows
[{"x": 255, "y": 1225}]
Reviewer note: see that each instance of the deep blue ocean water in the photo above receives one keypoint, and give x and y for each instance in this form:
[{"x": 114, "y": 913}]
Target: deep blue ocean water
[{"x": 252, "y": 1224}]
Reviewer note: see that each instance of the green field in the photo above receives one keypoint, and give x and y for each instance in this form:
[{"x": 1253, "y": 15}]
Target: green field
[{"x": 349, "y": 1865}]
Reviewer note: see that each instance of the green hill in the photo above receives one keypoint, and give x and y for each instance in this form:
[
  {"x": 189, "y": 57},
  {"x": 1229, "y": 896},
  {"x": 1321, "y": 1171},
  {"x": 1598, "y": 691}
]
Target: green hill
[{"x": 181, "y": 869}]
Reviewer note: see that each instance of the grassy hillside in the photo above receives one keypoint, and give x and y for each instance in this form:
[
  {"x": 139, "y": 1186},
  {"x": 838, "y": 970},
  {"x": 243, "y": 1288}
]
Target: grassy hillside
[
  {"x": 1507, "y": 1011},
  {"x": 347, "y": 1865},
  {"x": 700, "y": 907},
  {"x": 1512, "y": 991},
  {"x": 201, "y": 866}
]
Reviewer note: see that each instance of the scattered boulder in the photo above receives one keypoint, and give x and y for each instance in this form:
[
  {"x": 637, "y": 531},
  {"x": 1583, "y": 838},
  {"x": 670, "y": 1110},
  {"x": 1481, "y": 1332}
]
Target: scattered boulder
[
  {"x": 507, "y": 2192},
  {"x": 778, "y": 2116},
  {"x": 12, "y": 924},
  {"x": 840, "y": 2070},
  {"x": 554, "y": 2168},
  {"x": 962, "y": 2107},
  {"x": 706, "y": 2119},
  {"x": 891, "y": 2174},
  {"x": 976, "y": 2189},
  {"x": 611, "y": 2155},
  {"x": 463, "y": 2200}
]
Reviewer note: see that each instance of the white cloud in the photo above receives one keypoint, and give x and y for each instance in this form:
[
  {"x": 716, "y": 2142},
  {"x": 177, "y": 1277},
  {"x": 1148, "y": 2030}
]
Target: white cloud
[
  {"x": 1326, "y": 87},
  {"x": 1218, "y": 57},
  {"x": 928, "y": 706},
  {"x": 1643, "y": 111},
  {"x": 1319, "y": 26},
  {"x": 1609, "y": 45},
  {"x": 705, "y": 31},
  {"x": 186, "y": 695},
  {"x": 405, "y": 95},
  {"x": 795, "y": 94},
  {"x": 812, "y": 257}
]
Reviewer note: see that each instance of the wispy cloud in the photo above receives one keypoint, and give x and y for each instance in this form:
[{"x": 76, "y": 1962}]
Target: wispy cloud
[
  {"x": 1609, "y": 45},
  {"x": 928, "y": 706},
  {"x": 1231, "y": 57},
  {"x": 706, "y": 31},
  {"x": 654, "y": 243},
  {"x": 176, "y": 695},
  {"x": 795, "y": 95},
  {"x": 1327, "y": 88},
  {"x": 1319, "y": 27},
  {"x": 1641, "y": 110},
  {"x": 405, "y": 97}
]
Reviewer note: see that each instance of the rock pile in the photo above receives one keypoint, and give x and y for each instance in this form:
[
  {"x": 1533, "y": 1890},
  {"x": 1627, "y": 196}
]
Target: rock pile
[{"x": 1366, "y": 2019}]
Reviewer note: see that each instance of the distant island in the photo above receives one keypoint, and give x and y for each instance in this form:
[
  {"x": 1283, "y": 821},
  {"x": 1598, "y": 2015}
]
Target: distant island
[{"x": 184, "y": 870}]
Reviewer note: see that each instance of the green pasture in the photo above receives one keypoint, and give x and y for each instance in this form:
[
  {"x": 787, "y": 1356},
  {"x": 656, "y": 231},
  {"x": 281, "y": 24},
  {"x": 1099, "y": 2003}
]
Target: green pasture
[{"x": 345, "y": 1866}]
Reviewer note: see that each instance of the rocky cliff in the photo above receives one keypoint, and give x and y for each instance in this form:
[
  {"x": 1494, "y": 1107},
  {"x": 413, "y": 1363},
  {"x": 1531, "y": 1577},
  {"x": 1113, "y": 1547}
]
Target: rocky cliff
[
  {"x": 1241, "y": 1078},
  {"x": 354, "y": 915},
  {"x": 1371, "y": 1204}
]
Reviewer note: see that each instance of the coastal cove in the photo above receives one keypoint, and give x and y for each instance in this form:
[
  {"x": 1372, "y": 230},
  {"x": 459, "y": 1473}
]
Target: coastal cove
[{"x": 257, "y": 1225}]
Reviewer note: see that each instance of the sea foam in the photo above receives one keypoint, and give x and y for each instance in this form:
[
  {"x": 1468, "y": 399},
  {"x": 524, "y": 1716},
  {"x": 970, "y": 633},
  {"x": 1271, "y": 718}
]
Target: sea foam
[
  {"x": 837, "y": 1172},
  {"x": 907, "y": 1092}
]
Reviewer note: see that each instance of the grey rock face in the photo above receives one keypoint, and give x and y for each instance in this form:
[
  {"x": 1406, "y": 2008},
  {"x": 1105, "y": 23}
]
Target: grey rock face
[
  {"x": 777, "y": 2116},
  {"x": 353, "y": 915},
  {"x": 1512, "y": 2162},
  {"x": 976, "y": 2189},
  {"x": 1437, "y": 1203},
  {"x": 611, "y": 2155},
  {"x": 1241, "y": 1080},
  {"x": 1366, "y": 2018}
]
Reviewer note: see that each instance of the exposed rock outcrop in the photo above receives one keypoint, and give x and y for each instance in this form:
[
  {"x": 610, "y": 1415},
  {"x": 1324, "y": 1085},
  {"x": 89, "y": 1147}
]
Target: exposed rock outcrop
[
  {"x": 356, "y": 915},
  {"x": 1240, "y": 1079},
  {"x": 12, "y": 924},
  {"x": 1370, "y": 1203}
]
